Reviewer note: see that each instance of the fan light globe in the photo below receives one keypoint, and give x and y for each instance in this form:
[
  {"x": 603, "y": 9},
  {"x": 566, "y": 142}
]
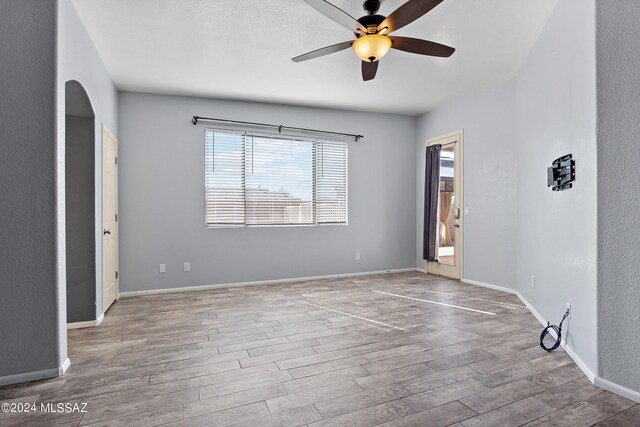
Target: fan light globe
[{"x": 372, "y": 47}]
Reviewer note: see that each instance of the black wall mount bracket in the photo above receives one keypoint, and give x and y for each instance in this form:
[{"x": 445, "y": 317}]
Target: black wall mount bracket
[{"x": 562, "y": 173}]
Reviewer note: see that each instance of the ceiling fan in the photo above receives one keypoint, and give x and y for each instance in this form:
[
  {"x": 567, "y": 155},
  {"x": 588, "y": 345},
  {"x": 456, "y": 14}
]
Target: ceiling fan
[{"x": 372, "y": 33}]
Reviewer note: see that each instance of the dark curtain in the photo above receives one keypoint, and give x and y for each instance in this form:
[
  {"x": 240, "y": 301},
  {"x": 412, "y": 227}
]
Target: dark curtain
[{"x": 431, "y": 192}]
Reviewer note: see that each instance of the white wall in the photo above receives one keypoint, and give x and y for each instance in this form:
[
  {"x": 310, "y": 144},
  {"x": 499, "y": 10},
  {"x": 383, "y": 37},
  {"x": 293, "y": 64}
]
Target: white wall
[
  {"x": 78, "y": 60},
  {"x": 161, "y": 198},
  {"x": 488, "y": 121},
  {"x": 556, "y": 231},
  {"x": 549, "y": 110},
  {"x": 618, "y": 187}
]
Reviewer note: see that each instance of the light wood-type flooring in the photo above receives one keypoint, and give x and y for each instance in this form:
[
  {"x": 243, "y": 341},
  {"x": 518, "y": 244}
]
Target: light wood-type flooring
[{"x": 394, "y": 350}]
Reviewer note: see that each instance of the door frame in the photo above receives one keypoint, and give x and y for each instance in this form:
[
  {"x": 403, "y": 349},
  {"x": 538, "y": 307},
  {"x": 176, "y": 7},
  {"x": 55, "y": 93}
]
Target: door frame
[
  {"x": 107, "y": 133},
  {"x": 435, "y": 267}
]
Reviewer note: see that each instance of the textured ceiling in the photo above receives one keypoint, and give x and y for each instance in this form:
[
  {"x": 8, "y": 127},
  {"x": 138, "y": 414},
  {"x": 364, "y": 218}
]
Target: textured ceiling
[{"x": 242, "y": 49}]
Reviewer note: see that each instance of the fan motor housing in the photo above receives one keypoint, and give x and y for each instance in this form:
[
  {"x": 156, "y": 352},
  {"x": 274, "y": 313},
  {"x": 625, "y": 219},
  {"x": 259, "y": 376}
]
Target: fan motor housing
[{"x": 371, "y": 22}]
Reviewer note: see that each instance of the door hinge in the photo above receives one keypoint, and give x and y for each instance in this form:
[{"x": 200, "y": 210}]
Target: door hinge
[
  {"x": 116, "y": 217},
  {"x": 116, "y": 274},
  {"x": 116, "y": 160}
]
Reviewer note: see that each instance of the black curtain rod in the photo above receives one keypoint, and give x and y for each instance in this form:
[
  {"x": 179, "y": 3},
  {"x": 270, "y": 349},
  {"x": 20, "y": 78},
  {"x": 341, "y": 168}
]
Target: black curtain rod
[{"x": 196, "y": 119}]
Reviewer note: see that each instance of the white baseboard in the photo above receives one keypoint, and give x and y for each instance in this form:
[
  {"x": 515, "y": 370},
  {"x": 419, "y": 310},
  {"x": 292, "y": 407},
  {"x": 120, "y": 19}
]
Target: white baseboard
[
  {"x": 262, "y": 282},
  {"x": 80, "y": 325},
  {"x": 62, "y": 369},
  {"x": 87, "y": 324},
  {"x": 617, "y": 389},
  {"x": 35, "y": 375},
  {"x": 486, "y": 285},
  {"x": 420, "y": 270},
  {"x": 583, "y": 366},
  {"x": 572, "y": 354},
  {"x": 578, "y": 361}
]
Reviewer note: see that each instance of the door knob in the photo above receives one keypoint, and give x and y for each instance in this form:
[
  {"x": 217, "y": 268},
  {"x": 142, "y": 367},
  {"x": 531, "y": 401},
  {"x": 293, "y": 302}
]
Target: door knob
[{"x": 106, "y": 232}]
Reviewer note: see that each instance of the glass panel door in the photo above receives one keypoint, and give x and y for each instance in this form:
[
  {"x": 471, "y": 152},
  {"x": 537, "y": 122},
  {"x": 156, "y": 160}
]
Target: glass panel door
[
  {"x": 446, "y": 206},
  {"x": 450, "y": 223}
]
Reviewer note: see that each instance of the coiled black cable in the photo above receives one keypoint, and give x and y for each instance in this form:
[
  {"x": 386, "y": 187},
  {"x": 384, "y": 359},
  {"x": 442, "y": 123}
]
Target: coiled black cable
[{"x": 557, "y": 330}]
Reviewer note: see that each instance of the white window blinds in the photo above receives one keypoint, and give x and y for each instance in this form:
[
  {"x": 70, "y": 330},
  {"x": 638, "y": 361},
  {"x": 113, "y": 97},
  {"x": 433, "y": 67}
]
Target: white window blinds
[
  {"x": 331, "y": 183},
  {"x": 263, "y": 180},
  {"x": 224, "y": 178}
]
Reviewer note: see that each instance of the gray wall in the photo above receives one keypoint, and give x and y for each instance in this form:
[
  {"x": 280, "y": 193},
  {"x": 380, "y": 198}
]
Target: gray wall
[
  {"x": 161, "y": 199},
  {"x": 78, "y": 60},
  {"x": 487, "y": 119},
  {"x": 549, "y": 110},
  {"x": 618, "y": 187},
  {"x": 43, "y": 45},
  {"x": 556, "y": 231},
  {"x": 29, "y": 300},
  {"x": 80, "y": 218}
]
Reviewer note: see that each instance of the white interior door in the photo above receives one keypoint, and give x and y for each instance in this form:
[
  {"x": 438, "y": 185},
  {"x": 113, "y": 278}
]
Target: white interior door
[
  {"x": 109, "y": 219},
  {"x": 450, "y": 217}
]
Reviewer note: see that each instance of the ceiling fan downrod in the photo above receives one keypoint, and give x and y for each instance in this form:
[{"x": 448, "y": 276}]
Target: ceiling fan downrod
[
  {"x": 371, "y": 6},
  {"x": 371, "y": 20}
]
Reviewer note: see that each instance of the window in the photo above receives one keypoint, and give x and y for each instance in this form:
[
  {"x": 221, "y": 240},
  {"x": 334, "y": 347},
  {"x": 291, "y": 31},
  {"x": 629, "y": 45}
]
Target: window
[{"x": 253, "y": 179}]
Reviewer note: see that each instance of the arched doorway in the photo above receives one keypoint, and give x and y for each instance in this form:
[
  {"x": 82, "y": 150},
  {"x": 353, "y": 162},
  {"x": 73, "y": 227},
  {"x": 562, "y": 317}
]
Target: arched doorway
[{"x": 80, "y": 205}]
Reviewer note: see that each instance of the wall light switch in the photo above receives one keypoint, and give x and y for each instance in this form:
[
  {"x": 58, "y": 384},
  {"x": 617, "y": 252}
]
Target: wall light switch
[
  {"x": 187, "y": 266},
  {"x": 163, "y": 268}
]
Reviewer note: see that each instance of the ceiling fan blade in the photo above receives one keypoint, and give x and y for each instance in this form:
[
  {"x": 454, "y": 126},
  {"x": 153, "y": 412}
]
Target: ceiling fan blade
[
  {"x": 406, "y": 14},
  {"x": 336, "y": 14},
  {"x": 421, "y": 47},
  {"x": 369, "y": 70},
  {"x": 323, "y": 51}
]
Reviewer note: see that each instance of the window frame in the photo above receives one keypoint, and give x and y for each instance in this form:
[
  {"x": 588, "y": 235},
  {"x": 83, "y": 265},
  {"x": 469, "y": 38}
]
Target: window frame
[{"x": 285, "y": 136}]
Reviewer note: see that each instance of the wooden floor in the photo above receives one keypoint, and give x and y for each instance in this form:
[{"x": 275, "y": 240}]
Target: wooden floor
[{"x": 392, "y": 350}]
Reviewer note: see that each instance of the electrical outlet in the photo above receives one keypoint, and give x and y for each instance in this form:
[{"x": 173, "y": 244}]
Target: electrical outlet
[
  {"x": 163, "y": 268},
  {"x": 533, "y": 282},
  {"x": 357, "y": 256},
  {"x": 187, "y": 266},
  {"x": 569, "y": 308}
]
